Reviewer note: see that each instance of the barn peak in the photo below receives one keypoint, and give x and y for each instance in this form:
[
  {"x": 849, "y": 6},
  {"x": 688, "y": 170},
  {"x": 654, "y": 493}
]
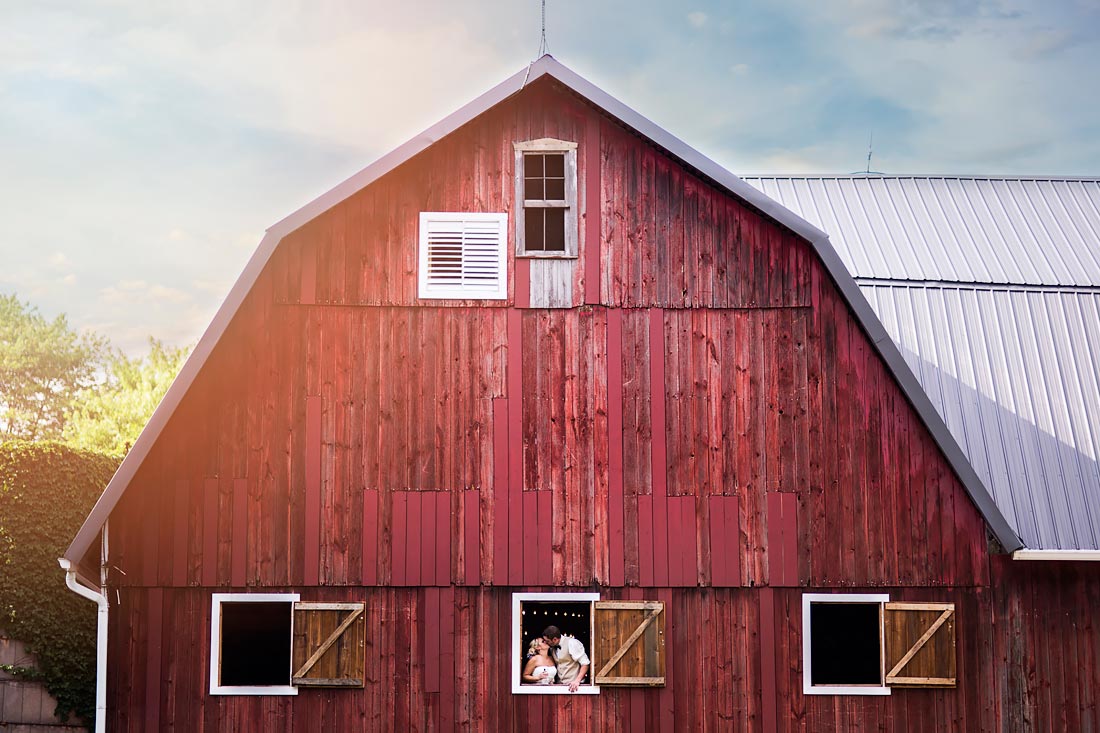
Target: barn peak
[{"x": 545, "y": 67}]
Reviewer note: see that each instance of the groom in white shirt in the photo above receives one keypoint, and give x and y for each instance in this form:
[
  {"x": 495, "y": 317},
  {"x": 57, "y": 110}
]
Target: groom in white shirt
[{"x": 569, "y": 654}]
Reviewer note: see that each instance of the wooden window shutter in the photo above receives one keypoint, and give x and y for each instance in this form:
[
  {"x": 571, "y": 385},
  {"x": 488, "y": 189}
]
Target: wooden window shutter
[
  {"x": 920, "y": 644},
  {"x": 329, "y": 645},
  {"x": 629, "y": 643}
]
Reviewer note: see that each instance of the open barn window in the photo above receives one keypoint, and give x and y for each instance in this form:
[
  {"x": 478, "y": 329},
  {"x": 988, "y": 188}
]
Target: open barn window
[
  {"x": 271, "y": 644},
  {"x": 623, "y": 642},
  {"x": 546, "y": 197},
  {"x": 861, "y": 644}
]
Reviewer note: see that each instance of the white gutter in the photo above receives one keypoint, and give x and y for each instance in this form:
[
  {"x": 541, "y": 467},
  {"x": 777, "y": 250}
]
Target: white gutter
[
  {"x": 100, "y": 599},
  {"x": 1077, "y": 555}
]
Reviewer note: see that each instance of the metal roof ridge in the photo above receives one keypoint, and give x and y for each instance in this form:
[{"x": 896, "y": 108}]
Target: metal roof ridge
[
  {"x": 919, "y": 176},
  {"x": 976, "y": 285}
]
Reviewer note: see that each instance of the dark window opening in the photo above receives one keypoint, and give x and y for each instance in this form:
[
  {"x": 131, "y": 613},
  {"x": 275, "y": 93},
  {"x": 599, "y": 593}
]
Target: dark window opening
[
  {"x": 255, "y": 644},
  {"x": 544, "y": 177},
  {"x": 574, "y": 619},
  {"x": 845, "y": 648},
  {"x": 544, "y": 230}
]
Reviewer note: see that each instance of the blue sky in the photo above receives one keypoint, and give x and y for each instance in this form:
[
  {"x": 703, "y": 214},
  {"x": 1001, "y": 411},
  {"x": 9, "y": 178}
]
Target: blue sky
[{"x": 146, "y": 146}]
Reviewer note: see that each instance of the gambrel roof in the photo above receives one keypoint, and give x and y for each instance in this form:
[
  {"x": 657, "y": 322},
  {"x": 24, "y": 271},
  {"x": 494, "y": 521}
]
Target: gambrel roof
[
  {"x": 548, "y": 67},
  {"x": 990, "y": 288}
]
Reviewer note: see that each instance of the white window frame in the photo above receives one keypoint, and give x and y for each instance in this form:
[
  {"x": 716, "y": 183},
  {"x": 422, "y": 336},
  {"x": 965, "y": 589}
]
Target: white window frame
[
  {"x": 216, "y": 601},
  {"x": 547, "y": 145},
  {"x": 518, "y": 599},
  {"x": 429, "y": 291},
  {"x": 869, "y": 598}
]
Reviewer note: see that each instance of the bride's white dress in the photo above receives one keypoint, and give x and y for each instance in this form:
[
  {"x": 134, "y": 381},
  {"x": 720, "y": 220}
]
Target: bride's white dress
[{"x": 549, "y": 679}]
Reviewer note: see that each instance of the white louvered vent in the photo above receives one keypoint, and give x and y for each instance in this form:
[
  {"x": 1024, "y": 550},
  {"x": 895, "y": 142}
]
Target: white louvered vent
[{"x": 462, "y": 255}]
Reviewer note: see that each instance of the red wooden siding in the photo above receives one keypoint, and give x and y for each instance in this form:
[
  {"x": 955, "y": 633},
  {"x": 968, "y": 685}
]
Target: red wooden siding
[
  {"x": 313, "y": 426},
  {"x": 357, "y": 481},
  {"x": 734, "y": 657},
  {"x": 734, "y": 369},
  {"x": 456, "y": 677}
]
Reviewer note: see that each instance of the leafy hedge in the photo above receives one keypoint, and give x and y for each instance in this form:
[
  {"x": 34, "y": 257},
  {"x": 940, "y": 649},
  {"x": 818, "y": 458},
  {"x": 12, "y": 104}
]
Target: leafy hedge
[{"x": 46, "y": 491}]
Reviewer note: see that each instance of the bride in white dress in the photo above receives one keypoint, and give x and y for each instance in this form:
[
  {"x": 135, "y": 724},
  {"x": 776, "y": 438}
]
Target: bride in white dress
[{"x": 540, "y": 668}]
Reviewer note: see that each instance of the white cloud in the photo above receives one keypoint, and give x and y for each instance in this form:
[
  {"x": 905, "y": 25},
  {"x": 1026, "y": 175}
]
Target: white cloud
[
  {"x": 171, "y": 295},
  {"x": 59, "y": 260},
  {"x": 740, "y": 69},
  {"x": 139, "y": 292},
  {"x": 697, "y": 19},
  {"x": 218, "y": 287},
  {"x": 1046, "y": 41}
]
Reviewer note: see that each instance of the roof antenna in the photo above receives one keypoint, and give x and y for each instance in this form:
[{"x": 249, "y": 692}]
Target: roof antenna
[
  {"x": 870, "y": 144},
  {"x": 543, "y": 48}
]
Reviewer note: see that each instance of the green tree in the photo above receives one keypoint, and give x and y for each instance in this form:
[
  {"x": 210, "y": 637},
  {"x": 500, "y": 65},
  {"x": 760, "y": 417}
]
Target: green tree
[
  {"x": 43, "y": 364},
  {"x": 109, "y": 417}
]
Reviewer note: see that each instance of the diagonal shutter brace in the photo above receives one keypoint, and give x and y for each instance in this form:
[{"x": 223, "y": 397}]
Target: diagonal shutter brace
[
  {"x": 947, "y": 613},
  {"x": 316, "y": 657},
  {"x": 629, "y": 642}
]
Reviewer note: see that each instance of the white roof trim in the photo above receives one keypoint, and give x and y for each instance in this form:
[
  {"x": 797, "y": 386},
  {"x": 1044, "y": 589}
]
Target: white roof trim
[
  {"x": 545, "y": 66},
  {"x": 1074, "y": 555}
]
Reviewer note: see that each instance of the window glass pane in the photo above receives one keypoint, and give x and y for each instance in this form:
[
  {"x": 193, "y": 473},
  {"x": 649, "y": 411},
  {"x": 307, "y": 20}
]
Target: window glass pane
[
  {"x": 532, "y": 165},
  {"x": 555, "y": 189},
  {"x": 532, "y": 189},
  {"x": 255, "y": 644},
  {"x": 533, "y": 239},
  {"x": 555, "y": 230},
  {"x": 844, "y": 644},
  {"x": 555, "y": 165}
]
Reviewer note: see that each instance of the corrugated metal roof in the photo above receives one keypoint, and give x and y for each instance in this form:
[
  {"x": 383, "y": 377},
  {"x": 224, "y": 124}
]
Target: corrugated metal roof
[
  {"x": 1023, "y": 231},
  {"x": 1014, "y": 374},
  {"x": 990, "y": 288}
]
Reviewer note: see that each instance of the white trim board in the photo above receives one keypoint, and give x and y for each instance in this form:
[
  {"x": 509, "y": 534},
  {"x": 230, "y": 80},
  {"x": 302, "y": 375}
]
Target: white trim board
[
  {"x": 807, "y": 688},
  {"x": 216, "y": 599},
  {"x": 1051, "y": 555},
  {"x": 518, "y": 688}
]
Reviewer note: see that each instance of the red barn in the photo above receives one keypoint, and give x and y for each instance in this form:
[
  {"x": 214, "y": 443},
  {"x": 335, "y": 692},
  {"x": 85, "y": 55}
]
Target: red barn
[{"x": 546, "y": 364}]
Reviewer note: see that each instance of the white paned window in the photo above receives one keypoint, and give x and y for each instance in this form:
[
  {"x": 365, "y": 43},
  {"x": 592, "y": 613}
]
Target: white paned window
[
  {"x": 546, "y": 198},
  {"x": 463, "y": 256}
]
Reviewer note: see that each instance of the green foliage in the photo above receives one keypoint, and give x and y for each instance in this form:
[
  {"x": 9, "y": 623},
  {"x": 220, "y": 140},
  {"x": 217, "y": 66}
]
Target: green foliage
[
  {"x": 43, "y": 364},
  {"x": 109, "y": 417},
  {"x": 46, "y": 491}
]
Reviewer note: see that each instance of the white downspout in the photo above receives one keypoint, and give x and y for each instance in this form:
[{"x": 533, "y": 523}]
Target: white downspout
[{"x": 100, "y": 600}]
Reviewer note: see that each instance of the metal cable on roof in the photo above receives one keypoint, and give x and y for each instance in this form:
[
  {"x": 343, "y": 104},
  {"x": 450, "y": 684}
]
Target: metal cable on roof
[{"x": 543, "y": 48}]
